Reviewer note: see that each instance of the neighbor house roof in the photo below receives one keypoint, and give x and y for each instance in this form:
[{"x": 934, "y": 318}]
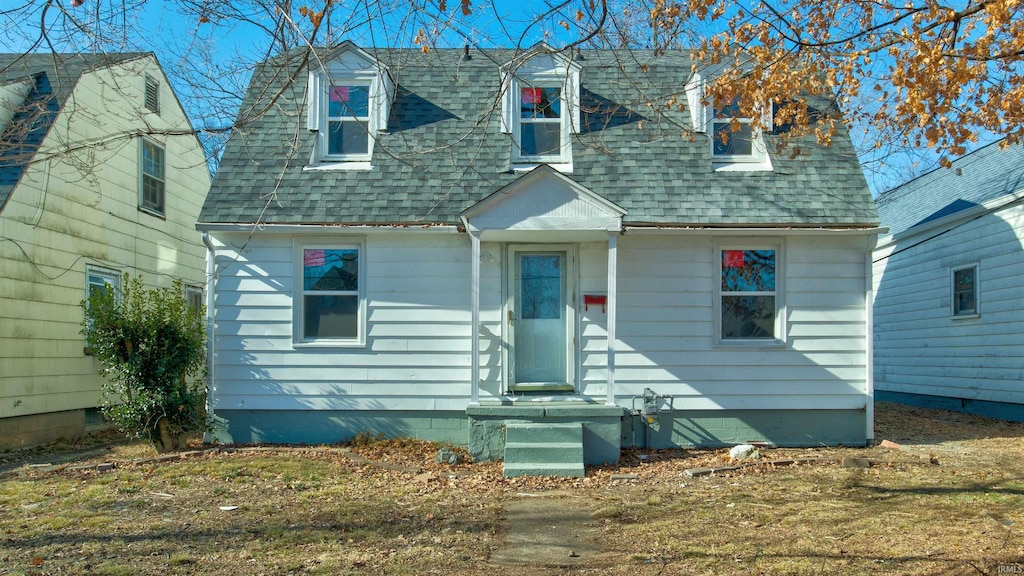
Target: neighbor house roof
[
  {"x": 985, "y": 174},
  {"x": 49, "y": 79},
  {"x": 443, "y": 151}
]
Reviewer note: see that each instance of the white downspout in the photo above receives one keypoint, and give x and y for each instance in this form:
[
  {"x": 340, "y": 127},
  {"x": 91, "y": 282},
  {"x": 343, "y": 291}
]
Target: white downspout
[
  {"x": 613, "y": 239},
  {"x": 869, "y": 386},
  {"x": 211, "y": 389}
]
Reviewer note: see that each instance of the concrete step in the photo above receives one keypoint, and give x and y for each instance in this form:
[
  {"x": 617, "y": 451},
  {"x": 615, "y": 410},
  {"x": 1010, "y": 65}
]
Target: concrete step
[
  {"x": 543, "y": 432},
  {"x": 544, "y": 449},
  {"x": 512, "y": 470},
  {"x": 541, "y": 453}
]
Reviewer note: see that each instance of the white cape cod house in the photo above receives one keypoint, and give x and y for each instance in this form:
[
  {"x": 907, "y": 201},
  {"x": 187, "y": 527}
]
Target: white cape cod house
[{"x": 503, "y": 248}]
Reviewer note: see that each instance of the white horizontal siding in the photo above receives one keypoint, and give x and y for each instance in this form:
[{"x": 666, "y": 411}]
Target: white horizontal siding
[
  {"x": 417, "y": 354},
  {"x": 666, "y": 329},
  {"x": 919, "y": 347},
  {"x": 417, "y": 348}
]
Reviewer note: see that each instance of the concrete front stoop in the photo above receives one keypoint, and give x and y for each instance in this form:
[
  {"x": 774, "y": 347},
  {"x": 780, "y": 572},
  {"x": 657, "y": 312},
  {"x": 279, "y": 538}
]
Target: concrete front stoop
[{"x": 544, "y": 449}]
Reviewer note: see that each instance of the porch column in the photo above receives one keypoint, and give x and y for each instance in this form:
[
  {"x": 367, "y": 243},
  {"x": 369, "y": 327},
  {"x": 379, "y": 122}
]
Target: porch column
[
  {"x": 474, "y": 332},
  {"x": 613, "y": 242}
]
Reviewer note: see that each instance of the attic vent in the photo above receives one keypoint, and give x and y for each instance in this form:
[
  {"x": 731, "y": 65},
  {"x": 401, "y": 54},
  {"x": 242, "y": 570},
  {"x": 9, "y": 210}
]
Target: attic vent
[{"x": 152, "y": 94}]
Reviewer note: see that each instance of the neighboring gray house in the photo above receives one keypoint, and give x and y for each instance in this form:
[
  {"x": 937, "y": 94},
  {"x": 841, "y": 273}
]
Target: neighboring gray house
[
  {"x": 949, "y": 287},
  {"x": 502, "y": 248}
]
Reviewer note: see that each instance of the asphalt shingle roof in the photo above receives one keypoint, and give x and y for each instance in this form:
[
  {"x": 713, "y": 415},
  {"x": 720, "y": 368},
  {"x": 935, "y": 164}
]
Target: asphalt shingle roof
[
  {"x": 51, "y": 77},
  {"x": 444, "y": 151},
  {"x": 985, "y": 174}
]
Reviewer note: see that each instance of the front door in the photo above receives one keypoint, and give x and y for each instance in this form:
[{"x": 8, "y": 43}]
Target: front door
[{"x": 541, "y": 321}]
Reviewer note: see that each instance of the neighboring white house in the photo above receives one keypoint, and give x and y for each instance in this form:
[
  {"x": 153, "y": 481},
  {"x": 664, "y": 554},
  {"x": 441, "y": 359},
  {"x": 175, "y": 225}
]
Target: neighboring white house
[
  {"x": 949, "y": 287},
  {"x": 100, "y": 175},
  {"x": 461, "y": 246}
]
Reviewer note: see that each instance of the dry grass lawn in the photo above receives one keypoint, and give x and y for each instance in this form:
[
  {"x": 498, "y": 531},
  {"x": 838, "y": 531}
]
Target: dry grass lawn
[{"x": 386, "y": 508}]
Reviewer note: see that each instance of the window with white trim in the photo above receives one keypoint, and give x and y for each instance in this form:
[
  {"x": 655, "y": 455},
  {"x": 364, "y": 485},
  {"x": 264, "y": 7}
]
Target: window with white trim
[
  {"x": 329, "y": 303},
  {"x": 965, "y": 291},
  {"x": 733, "y": 138},
  {"x": 152, "y": 178},
  {"x": 748, "y": 293}
]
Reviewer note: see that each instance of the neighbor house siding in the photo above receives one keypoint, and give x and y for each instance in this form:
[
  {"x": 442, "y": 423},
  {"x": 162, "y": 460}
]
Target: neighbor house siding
[
  {"x": 919, "y": 347},
  {"x": 77, "y": 205}
]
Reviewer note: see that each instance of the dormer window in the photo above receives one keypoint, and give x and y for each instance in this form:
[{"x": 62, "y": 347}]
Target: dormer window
[
  {"x": 733, "y": 138},
  {"x": 349, "y": 104},
  {"x": 348, "y": 121},
  {"x": 734, "y": 143},
  {"x": 541, "y": 107}
]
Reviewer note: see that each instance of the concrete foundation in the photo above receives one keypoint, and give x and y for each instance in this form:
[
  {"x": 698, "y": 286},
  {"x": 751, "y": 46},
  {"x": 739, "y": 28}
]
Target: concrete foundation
[
  {"x": 35, "y": 429},
  {"x": 999, "y": 410}
]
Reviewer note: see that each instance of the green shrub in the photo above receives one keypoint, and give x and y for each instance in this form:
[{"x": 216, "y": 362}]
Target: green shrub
[{"x": 151, "y": 345}]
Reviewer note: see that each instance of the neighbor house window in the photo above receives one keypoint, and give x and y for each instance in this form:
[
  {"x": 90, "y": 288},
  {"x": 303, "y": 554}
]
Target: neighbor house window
[
  {"x": 152, "y": 94},
  {"x": 348, "y": 121},
  {"x": 748, "y": 294},
  {"x": 965, "y": 291},
  {"x": 194, "y": 298},
  {"x": 330, "y": 300},
  {"x": 151, "y": 195},
  {"x": 733, "y": 138},
  {"x": 102, "y": 281},
  {"x": 541, "y": 128}
]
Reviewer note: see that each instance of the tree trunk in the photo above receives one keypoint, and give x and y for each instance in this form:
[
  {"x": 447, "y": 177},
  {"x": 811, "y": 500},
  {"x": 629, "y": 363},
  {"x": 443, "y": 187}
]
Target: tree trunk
[{"x": 163, "y": 441}]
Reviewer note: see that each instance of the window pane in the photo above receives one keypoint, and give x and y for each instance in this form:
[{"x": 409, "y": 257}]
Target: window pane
[
  {"x": 152, "y": 160},
  {"x": 347, "y": 138},
  {"x": 349, "y": 101},
  {"x": 729, "y": 143},
  {"x": 330, "y": 269},
  {"x": 540, "y": 286},
  {"x": 748, "y": 317},
  {"x": 730, "y": 109},
  {"x": 541, "y": 102},
  {"x": 331, "y": 316},
  {"x": 152, "y": 193},
  {"x": 540, "y": 139},
  {"x": 748, "y": 270}
]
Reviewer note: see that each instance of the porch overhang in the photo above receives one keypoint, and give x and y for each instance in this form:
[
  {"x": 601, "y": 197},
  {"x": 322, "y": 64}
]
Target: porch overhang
[
  {"x": 545, "y": 206},
  {"x": 542, "y": 206}
]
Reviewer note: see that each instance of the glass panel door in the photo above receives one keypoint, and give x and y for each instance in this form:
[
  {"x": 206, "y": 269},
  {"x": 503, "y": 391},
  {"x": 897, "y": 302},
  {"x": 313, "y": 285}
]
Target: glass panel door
[{"x": 540, "y": 321}]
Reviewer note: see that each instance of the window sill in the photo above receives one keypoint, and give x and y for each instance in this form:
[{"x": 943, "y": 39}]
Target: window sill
[
  {"x": 751, "y": 344},
  {"x": 152, "y": 212},
  {"x": 965, "y": 316},
  {"x": 329, "y": 344},
  {"x": 742, "y": 166},
  {"x": 340, "y": 165},
  {"x": 522, "y": 166}
]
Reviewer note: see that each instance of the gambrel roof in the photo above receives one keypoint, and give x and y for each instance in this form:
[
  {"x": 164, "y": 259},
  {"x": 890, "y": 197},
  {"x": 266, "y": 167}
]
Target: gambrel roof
[
  {"x": 983, "y": 175},
  {"x": 35, "y": 87},
  {"x": 444, "y": 151}
]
